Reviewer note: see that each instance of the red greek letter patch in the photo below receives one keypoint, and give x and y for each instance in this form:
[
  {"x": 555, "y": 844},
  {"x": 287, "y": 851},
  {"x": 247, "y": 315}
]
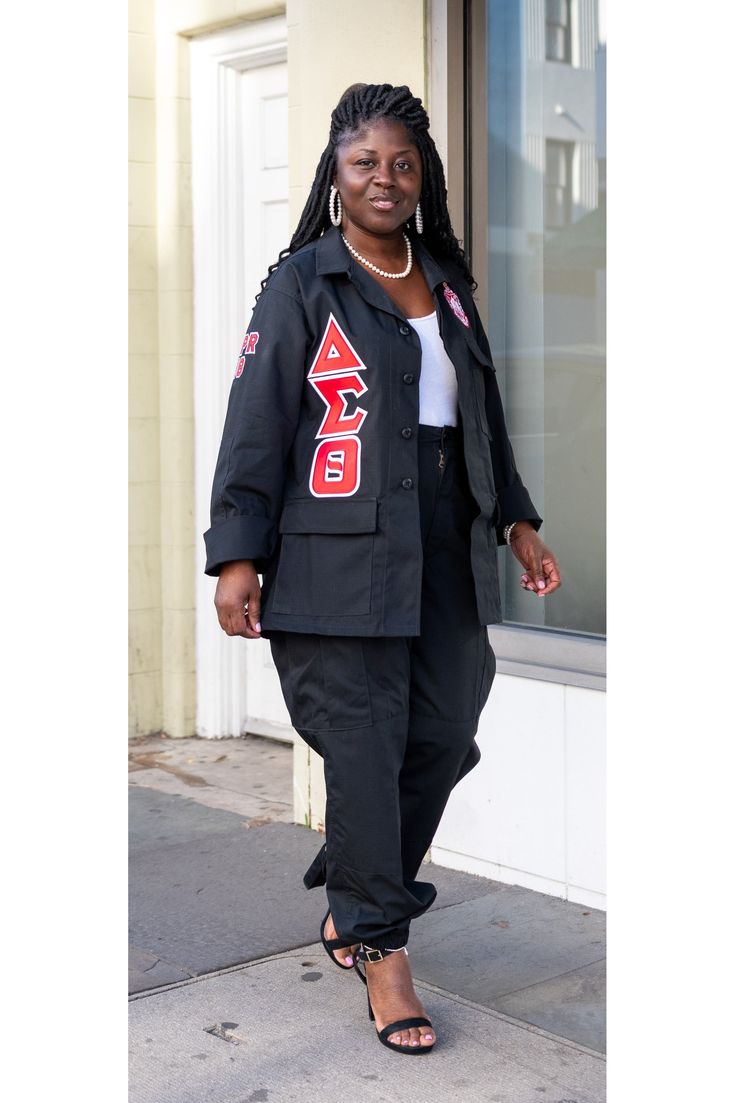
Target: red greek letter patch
[
  {"x": 248, "y": 347},
  {"x": 335, "y": 468}
]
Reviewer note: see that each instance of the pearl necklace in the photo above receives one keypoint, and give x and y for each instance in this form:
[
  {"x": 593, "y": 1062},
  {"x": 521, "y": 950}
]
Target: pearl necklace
[{"x": 373, "y": 267}]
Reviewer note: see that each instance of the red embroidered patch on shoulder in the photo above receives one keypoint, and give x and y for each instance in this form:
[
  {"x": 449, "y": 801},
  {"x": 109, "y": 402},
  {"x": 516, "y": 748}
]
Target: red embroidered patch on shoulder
[
  {"x": 455, "y": 303},
  {"x": 248, "y": 346}
]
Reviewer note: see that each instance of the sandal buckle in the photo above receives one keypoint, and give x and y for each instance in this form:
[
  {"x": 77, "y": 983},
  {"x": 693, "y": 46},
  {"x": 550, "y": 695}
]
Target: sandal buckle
[
  {"x": 373, "y": 956},
  {"x": 366, "y": 954}
]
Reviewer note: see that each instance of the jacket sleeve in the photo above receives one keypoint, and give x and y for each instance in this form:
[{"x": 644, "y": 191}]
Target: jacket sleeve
[
  {"x": 514, "y": 501},
  {"x": 262, "y": 415}
]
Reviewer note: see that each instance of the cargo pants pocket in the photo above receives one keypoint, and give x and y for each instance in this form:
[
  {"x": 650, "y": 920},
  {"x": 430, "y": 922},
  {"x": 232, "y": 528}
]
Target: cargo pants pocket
[{"x": 324, "y": 681}]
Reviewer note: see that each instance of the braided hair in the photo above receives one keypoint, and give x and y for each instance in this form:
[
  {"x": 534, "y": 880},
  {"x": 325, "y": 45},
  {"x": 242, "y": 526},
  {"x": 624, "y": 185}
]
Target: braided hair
[{"x": 360, "y": 105}]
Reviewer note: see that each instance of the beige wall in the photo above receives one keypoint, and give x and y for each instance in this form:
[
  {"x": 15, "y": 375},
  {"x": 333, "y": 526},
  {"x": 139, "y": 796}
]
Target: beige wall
[
  {"x": 146, "y": 693},
  {"x": 332, "y": 43}
]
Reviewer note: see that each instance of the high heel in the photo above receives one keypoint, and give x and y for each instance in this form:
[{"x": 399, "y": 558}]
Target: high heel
[
  {"x": 363, "y": 954},
  {"x": 332, "y": 944}
]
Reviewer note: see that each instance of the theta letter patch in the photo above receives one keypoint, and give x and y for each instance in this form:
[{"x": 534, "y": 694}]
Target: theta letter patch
[{"x": 335, "y": 469}]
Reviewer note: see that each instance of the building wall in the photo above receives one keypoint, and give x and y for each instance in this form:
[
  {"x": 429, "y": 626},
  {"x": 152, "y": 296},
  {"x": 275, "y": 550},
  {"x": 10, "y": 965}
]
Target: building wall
[
  {"x": 532, "y": 812},
  {"x": 175, "y": 350},
  {"x": 331, "y": 45},
  {"x": 145, "y": 598}
]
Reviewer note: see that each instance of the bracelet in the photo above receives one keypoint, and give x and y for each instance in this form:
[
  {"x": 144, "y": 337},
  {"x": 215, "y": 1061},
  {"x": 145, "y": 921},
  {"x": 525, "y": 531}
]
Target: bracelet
[{"x": 507, "y": 531}]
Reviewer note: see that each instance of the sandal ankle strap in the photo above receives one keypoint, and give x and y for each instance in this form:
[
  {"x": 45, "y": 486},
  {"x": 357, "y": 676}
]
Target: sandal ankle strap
[{"x": 367, "y": 953}]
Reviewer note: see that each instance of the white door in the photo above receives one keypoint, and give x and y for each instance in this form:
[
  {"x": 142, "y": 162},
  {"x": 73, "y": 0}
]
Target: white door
[
  {"x": 240, "y": 206},
  {"x": 264, "y": 104}
]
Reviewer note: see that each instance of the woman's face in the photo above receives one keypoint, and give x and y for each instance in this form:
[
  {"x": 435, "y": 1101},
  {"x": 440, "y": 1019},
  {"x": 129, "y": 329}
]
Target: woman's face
[{"x": 378, "y": 178}]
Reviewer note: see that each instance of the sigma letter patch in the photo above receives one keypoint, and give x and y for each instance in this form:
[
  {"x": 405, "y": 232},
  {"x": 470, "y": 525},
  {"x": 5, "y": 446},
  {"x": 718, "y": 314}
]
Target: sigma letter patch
[
  {"x": 334, "y": 375},
  {"x": 248, "y": 346}
]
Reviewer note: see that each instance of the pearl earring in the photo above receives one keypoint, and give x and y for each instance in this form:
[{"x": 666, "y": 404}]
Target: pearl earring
[
  {"x": 335, "y": 209},
  {"x": 419, "y": 219}
]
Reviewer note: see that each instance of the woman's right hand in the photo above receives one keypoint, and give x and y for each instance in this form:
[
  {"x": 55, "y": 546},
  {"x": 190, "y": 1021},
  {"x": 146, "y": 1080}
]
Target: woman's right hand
[{"x": 237, "y": 599}]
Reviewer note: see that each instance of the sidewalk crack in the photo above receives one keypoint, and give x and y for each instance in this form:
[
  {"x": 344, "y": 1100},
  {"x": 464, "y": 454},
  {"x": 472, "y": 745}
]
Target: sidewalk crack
[{"x": 546, "y": 980}]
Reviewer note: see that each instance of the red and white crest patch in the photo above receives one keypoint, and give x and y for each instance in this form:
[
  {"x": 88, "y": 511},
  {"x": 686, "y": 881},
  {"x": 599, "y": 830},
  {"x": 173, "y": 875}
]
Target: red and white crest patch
[
  {"x": 248, "y": 347},
  {"x": 334, "y": 374},
  {"x": 457, "y": 309}
]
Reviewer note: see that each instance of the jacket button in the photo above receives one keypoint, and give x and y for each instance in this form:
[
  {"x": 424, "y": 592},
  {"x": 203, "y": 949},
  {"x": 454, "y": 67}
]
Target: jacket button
[
  {"x": 407, "y": 433},
  {"x": 407, "y": 484},
  {"x": 408, "y": 378},
  {"x": 404, "y": 330}
]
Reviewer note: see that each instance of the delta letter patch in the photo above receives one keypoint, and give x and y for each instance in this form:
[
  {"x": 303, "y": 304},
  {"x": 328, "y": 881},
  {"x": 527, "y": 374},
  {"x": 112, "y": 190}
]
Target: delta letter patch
[
  {"x": 248, "y": 346},
  {"x": 334, "y": 375},
  {"x": 457, "y": 309}
]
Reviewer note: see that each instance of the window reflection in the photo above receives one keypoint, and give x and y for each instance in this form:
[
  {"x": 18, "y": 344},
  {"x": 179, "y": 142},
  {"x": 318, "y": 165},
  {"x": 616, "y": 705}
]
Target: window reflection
[
  {"x": 546, "y": 284},
  {"x": 558, "y": 31}
]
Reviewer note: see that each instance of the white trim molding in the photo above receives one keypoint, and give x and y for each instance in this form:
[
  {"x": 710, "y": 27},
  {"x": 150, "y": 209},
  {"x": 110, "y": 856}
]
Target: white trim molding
[{"x": 219, "y": 301}]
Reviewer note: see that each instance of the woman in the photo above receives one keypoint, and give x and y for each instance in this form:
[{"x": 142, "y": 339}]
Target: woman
[{"x": 366, "y": 473}]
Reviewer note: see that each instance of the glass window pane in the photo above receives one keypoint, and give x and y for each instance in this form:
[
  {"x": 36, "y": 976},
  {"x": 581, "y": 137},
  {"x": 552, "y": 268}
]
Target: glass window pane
[
  {"x": 554, "y": 44},
  {"x": 546, "y": 293},
  {"x": 556, "y": 11},
  {"x": 553, "y": 150}
]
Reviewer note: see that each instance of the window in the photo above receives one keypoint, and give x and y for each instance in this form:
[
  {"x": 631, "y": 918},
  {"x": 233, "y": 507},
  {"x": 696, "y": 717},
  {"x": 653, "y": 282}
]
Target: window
[
  {"x": 558, "y": 31},
  {"x": 535, "y": 222},
  {"x": 558, "y": 184}
]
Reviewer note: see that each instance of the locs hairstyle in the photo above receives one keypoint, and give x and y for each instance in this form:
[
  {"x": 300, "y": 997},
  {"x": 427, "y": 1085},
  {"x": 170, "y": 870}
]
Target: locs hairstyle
[{"x": 359, "y": 106}]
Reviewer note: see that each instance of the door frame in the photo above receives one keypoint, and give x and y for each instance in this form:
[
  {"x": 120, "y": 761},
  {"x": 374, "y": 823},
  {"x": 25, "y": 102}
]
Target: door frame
[{"x": 217, "y": 59}]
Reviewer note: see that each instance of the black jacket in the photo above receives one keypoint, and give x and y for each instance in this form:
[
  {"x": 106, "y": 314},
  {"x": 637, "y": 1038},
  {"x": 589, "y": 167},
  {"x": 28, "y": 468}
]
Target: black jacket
[{"x": 317, "y": 471}]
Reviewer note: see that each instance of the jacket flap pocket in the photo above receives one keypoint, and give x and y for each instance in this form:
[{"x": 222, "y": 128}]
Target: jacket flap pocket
[
  {"x": 477, "y": 351},
  {"x": 329, "y": 515}
]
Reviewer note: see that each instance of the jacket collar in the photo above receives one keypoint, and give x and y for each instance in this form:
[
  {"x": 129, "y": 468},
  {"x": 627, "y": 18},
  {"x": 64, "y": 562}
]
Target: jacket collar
[
  {"x": 332, "y": 256},
  {"x": 433, "y": 271}
]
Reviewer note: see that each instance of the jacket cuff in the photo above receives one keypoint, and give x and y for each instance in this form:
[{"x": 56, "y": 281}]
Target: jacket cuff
[
  {"x": 241, "y": 537},
  {"x": 514, "y": 504}
]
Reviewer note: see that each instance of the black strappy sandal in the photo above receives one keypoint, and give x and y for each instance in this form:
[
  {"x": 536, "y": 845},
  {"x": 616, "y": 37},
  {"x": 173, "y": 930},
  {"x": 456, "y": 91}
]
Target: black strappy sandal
[
  {"x": 332, "y": 944},
  {"x": 364, "y": 954}
]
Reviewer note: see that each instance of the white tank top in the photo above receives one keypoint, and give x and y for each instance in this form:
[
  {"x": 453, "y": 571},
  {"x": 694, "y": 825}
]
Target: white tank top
[{"x": 438, "y": 382}]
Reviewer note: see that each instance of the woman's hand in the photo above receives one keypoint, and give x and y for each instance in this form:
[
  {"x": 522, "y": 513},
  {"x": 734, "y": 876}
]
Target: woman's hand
[
  {"x": 542, "y": 575},
  {"x": 237, "y": 599}
]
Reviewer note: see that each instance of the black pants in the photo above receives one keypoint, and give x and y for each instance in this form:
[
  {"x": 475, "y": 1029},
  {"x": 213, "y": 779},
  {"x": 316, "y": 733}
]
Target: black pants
[{"x": 395, "y": 718}]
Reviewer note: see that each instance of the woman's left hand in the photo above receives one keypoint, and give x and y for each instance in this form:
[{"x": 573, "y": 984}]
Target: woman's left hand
[{"x": 542, "y": 575}]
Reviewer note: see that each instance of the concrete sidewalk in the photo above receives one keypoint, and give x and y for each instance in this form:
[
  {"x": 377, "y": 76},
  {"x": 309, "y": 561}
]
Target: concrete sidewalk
[{"x": 233, "y": 1001}]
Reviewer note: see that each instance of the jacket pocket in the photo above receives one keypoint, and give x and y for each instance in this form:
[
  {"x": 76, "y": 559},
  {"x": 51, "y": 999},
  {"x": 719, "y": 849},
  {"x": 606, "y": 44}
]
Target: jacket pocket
[
  {"x": 325, "y": 565},
  {"x": 329, "y": 515},
  {"x": 477, "y": 352}
]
